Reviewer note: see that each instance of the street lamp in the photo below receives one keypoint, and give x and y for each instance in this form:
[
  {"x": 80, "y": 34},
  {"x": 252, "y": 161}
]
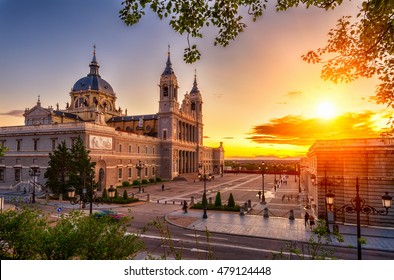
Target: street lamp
[
  {"x": 204, "y": 177},
  {"x": 263, "y": 168},
  {"x": 358, "y": 205},
  {"x": 34, "y": 172},
  {"x": 139, "y": 167},
  {"x": 91, "y": 198}
]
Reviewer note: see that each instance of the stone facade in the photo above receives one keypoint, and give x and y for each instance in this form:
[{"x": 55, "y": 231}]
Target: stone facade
[
  {"x": 168, "y": 144},
  {"x": 335, "y": 165}
]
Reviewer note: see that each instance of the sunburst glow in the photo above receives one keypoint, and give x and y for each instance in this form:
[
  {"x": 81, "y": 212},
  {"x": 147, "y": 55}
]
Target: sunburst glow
[{"x": 325, "y": 110}]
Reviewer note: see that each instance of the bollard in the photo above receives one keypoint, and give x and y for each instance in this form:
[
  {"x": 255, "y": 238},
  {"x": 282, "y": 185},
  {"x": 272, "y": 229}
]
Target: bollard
[
  {"x": 242, "y": 211},
  {"x": 173, "y": 202},
  {"x": 60, "y": 197},
  {"x": 148, "y": 197},
  {"x": 249, "y": 204},
  {"x": 265, "y": 212},
  {"x": 192, "y": 200},
  {"x": 291, "y": 214},
  {"x": 132, "y": 195},
  {"x": 165, "y": 202},
  {"x": 157, "y": 201}
]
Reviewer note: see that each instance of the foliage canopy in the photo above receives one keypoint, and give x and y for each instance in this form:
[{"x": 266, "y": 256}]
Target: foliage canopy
[{"x": 360, "y": 47}]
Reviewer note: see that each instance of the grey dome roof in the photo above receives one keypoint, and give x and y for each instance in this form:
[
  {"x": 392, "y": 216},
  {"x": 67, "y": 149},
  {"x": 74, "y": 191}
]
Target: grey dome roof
[
  {"x": 93, "y": 83},
  {"x": 93, "y": 80}
]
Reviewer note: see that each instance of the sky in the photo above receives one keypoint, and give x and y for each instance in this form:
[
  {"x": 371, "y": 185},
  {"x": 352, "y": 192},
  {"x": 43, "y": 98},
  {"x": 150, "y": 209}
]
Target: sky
[{"x": 260, "y": 98}]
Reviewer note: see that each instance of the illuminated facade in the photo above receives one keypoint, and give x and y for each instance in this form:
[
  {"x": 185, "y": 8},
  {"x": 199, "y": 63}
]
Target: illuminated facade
[{"x": 168, "y": 143}]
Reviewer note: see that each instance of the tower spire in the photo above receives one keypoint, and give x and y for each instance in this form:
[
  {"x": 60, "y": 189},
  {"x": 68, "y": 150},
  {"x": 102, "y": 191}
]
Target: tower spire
[
  {"x": 195, "y": 86},
  {"x": 168, "y": 70},
  {"x": 94, "y": 66}
]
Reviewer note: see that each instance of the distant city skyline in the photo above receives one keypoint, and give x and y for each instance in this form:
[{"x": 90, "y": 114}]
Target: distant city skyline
[{"x": 260, "y": 98}]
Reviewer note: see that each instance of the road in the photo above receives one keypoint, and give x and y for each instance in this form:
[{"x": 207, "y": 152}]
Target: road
[{"x": 193, "y": 245}]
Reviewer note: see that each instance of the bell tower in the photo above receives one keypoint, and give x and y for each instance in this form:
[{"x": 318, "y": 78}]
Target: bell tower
[{"x": 168, "y": 89}]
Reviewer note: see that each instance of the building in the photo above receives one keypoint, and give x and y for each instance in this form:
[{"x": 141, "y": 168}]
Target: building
[
  {"x": 168, "y": 144},
  {"x": 335, "y": 165}
]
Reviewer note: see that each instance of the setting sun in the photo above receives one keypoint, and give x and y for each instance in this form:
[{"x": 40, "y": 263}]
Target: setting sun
[{"x": 325, "y": 110}]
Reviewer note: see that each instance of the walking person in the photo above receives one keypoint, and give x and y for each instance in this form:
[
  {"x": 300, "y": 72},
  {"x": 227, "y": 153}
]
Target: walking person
[
  {"x": 184, "y": 207},
  {"x": 311, "y": 221},
  {"x": 306, "y": 218}
]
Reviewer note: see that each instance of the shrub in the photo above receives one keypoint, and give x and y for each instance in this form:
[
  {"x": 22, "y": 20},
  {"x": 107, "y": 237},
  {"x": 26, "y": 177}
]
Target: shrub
[
  {"x": 126, "y": 184},
  {"x": 105, "y": 193},
  {"x": 231, "y": 202},
  {"x": 144, "y": 181},
  {"x": 158, "y": 179},
  {"x": 152, "y": 180},
  {"x": 116, "y": 193},
  {"x": 218, "y": 200},
  {"x": 125, "y": 195},
  {"x": 136, "y": 182}
]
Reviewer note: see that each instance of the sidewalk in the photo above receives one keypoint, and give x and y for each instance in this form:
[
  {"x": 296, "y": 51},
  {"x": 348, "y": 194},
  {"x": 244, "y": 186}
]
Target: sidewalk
[{"x": 278, "y": 227}]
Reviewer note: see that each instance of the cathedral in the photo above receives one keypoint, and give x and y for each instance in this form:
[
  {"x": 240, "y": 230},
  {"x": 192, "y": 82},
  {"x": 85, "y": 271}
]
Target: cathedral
[{"x": 168, "y": 144}]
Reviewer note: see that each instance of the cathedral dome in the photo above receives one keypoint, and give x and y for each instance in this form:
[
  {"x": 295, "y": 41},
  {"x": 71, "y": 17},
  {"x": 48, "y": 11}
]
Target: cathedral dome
[{"x": 93, "y": 80}]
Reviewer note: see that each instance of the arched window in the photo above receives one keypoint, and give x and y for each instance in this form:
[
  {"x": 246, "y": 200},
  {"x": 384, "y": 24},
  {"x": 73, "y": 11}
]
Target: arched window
[
  {"x": 165, "y": 90},
  {"x": 81, "y": 102}
]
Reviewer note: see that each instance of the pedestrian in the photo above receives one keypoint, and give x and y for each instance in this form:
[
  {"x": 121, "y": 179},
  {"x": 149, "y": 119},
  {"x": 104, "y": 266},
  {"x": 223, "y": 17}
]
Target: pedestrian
[
  {"x": 306, "y": 218},
  {"x": 184, "y": 207},
  {"x": 259, "y": 193},
  {"x": 311, "y": 221},
  {"x": 162, "y": 187}
]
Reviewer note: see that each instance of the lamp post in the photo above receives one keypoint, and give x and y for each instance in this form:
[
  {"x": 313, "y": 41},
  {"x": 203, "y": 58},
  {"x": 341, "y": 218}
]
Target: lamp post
[
  {"x": 263, "y": 168},
  {"x": 139, "y": 167},
  {"x": 204, "y": 177},
  {"x": 358, "y": 205},
  {"x": 90, "y": 198},
  {"x": 34, "y": 172}
]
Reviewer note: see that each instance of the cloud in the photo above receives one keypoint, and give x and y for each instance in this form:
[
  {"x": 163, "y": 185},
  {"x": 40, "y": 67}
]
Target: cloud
[
  {"x": 299, "y": 131},
  {"x": 13, "y": 113},
  {"x": 295, "y": 93}
]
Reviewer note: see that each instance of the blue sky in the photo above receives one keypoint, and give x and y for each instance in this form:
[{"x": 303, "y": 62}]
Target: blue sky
[{"x": 46, "y": 47}]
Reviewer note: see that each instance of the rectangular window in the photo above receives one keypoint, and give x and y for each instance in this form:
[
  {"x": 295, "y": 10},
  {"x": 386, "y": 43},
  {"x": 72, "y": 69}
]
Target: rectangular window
[
  {"x": 17, "y": 174},
  {"x": 164, "y": 134},
  {"x": 35, "y": 144},
  {"x": 130, "y": 174},
  {"x": 146, "y": 171},
  {"x": 153, "y": 171},
  {"x": 54, "y": 142},
  {"x": 129, "y": 149},
  {"x": 2, "y": 174},
  {"x": 138, "y": 149},
  {"x": 120, "y": 175},
  {"x": 120, "y": 148},
  {"x": 18, "y": 144},
  {"x": 2, "y": 143}
]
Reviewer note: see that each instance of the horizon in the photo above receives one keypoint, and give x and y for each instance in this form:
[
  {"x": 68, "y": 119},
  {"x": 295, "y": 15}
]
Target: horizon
[{"x": 260, "y": 98}]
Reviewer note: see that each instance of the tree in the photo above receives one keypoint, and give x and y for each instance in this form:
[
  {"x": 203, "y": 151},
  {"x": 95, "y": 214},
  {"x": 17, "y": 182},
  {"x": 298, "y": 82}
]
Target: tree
[
  {"x": 362, "y": 48},
  {"x": 231, "y": 202},
  {"x": 58, "y": 170},
  {"x": 29, "y": 235},
  {"x": 2, "y": 150},
  {"x": 315, "y": 249},
  {"x": 82, "y": 169},
  {"x": 218, "y": 200}
]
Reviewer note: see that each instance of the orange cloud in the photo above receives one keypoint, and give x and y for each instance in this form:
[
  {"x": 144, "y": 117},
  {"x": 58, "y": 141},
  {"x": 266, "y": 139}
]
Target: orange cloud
[{"x": 298, "y": 131}]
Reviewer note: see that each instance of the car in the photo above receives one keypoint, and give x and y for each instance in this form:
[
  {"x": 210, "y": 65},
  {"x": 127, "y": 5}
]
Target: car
[{"x": 109, "y": 213}]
